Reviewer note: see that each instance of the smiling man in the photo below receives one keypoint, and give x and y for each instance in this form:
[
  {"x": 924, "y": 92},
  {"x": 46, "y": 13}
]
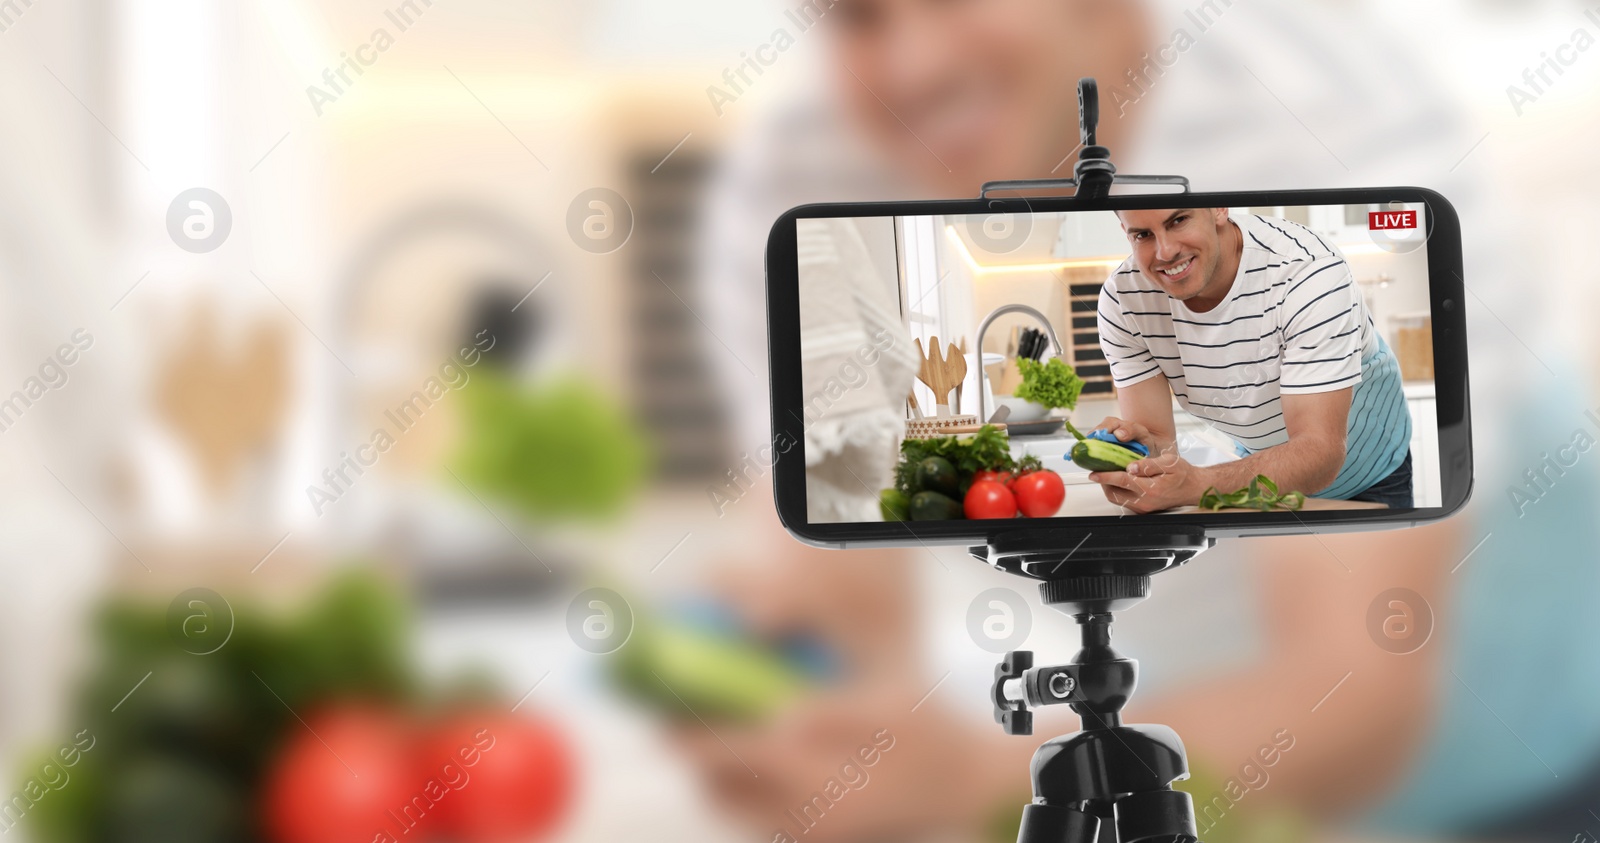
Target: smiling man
[{"x": 1257, "y": 327}]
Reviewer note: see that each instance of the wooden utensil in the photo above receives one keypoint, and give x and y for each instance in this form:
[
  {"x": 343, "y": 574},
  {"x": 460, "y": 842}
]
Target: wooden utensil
[
  {"x": 939, "y": 372},
  {"x": 956, "y": 360},
  {"x": 929, "y": 372},
  {"x": 225, "y": 404}
]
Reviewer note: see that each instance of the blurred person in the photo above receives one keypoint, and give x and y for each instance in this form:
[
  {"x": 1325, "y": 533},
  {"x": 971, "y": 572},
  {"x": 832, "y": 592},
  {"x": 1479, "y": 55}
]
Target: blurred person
[
  {"x": 859, "y": 365},
  {"x": 934, "y": 97}
]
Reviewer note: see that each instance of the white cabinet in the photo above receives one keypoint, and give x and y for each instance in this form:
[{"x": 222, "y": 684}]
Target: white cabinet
[{"x": 1090, "y": 235}]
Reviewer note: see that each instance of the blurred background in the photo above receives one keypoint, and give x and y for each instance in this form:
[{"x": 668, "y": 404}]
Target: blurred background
[{"x": 385, "y": 455}]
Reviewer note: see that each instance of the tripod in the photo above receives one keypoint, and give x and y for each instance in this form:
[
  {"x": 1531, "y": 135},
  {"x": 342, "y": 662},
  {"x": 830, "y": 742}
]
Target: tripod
[{"x": 1108, "y": 771}]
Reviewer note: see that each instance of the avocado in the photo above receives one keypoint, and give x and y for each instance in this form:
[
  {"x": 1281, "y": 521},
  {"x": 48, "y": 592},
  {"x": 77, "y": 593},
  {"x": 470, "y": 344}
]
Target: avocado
[
  {"x": 932, "y": 506},
  {"x": 936, "y": 474}
]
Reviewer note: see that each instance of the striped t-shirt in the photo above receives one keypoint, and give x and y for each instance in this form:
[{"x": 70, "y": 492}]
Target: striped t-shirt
[{"x": 1293, "y": 323}]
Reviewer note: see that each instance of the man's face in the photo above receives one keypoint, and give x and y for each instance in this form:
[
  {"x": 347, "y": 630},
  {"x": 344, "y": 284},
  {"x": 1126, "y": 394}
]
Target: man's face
[
  {"x": 962, "y": 91},
  {"x": 1181, "y": 250}
]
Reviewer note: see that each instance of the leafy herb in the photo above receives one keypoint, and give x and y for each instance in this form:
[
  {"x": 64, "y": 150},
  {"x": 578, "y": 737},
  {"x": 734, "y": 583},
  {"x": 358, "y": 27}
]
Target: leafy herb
[
  {"x": 1053, "y": 384},
  {"x": 555, "y": 450},
  {"x": 988, "y": 448},
  {"x": 1262, "y": 494}
]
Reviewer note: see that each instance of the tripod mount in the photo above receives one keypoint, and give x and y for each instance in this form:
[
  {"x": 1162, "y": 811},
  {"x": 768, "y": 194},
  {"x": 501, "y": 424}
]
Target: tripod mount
[{"x": 1108, "y": 771}]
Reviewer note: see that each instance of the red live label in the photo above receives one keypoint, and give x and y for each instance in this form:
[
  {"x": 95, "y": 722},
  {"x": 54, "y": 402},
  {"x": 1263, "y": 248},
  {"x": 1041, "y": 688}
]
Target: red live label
[{"x": 1387, "y": 220}]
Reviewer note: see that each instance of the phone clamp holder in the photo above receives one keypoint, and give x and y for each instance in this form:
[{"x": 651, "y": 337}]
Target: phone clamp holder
[
  {"x": 1093, "y": 174},
  {"x": 1108, "y": 771}
]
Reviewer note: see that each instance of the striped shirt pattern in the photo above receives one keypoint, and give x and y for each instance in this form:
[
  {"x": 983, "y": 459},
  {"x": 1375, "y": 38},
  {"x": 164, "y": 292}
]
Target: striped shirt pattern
[{"x": 1293, "y": 323}]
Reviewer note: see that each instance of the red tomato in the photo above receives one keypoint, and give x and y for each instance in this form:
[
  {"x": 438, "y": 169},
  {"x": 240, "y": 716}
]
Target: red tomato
[
  {"x": 1040, "y": 493},
  {"x": 1004, "y": 478},
  {"x": 989, "y": 499},
  {"x": 338, "y": 778},
  {"x": 509, "y": 777}
]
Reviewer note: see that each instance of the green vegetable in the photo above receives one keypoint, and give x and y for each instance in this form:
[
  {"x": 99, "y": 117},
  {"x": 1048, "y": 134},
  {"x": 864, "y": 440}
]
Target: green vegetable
[
  {"x": 556, "y": 451},
  {"x": 1053, "y": 384},
  {"x": 932, "y": 506},
  {"x": 1096, "y": 455},
  {"x": 988, "y": 448},
  {"x": 686, "y": 671},
  {"x": 182, "y": 756},
  {"x": 1261, "y": 494},
  {"x": 936, "y": 474},
  {"x": 895, "y": 505}
]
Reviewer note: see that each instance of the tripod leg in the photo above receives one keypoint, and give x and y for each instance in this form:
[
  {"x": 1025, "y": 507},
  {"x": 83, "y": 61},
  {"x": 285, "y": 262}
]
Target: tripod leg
[
  {"x": 1043, "y": 823},
  {"x": 1156, "y": 815}
]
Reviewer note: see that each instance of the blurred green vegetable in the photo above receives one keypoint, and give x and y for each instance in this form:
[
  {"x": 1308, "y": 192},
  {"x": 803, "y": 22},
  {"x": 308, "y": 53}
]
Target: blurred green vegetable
[
  {"x": 932, "y": 506},
  {"x": 180, "y": 741},
  {"x": 1053, "y": 384},
  {"x": 554, "y": 451},
  {"x": 686, "y": 672},
  {"x": 1227, "y": 812},
  {"x": 936, "y": 474},
  {"x": 894, "y": 504}
]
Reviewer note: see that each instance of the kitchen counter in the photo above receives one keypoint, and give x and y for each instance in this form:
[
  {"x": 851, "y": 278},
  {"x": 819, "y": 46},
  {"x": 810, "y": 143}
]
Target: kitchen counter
[{"x": 1086, "y": 498}]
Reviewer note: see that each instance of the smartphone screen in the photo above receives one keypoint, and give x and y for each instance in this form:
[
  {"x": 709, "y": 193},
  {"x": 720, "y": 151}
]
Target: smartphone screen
[{"x": 1140, "y": 362}]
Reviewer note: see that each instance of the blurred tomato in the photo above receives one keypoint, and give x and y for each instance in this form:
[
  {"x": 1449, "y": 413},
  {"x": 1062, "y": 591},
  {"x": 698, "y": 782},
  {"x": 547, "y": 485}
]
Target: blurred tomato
[
  {"x": 510, "y": 776},
  {"x": 339, "y": 777}
]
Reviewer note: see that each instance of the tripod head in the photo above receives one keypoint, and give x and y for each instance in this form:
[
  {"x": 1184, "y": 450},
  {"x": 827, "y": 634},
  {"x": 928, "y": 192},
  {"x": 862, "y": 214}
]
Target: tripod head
[{"x": 1091, "y": 582}]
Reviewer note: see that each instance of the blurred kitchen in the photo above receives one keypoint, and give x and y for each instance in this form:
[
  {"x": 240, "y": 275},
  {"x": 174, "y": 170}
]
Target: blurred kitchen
[{"x": 383, "y": 424}]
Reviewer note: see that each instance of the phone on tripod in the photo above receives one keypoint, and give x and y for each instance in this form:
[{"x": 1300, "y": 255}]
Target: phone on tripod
[
  {"x": 1269, "y": 363},
  {"x": 1089, "y": 390}
]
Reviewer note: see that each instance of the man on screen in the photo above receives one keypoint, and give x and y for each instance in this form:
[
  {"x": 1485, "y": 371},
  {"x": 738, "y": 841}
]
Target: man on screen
[{"x": 1257, "y": 327}]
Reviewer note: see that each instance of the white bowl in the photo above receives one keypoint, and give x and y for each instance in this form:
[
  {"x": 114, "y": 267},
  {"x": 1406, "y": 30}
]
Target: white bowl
[{"x": 1023, "y": 411}]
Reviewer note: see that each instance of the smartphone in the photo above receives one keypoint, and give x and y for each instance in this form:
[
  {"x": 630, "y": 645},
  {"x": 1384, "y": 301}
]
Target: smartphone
[{"x": 1269, "y": 362}]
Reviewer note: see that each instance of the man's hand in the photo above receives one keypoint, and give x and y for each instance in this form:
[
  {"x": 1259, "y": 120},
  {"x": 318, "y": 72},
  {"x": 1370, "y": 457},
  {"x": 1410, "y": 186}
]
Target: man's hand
[
  {"x": 1154, "y": 483},
  {"x": 1132, "y": 431}
]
